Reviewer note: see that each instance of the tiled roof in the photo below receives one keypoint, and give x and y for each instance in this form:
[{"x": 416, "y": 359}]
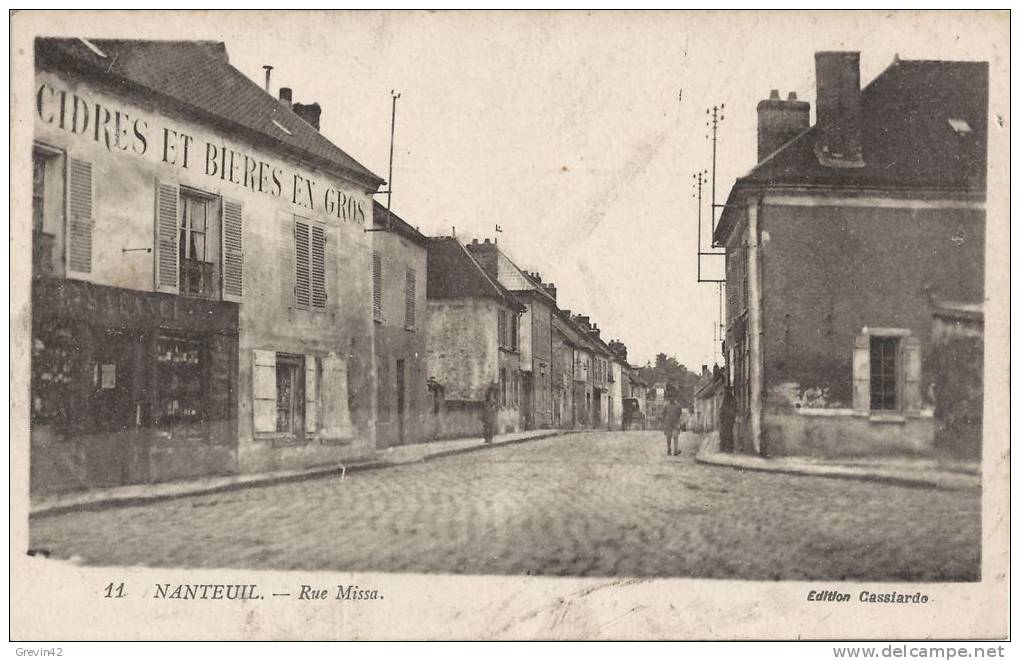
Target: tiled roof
[
  {"x": 910, "y": 118},
  {"x": 397, "y": 225},
  {"x": 907, "y": 133},
  {"x": 454, "y": 273},
  {"x": 197, "y": 76}
]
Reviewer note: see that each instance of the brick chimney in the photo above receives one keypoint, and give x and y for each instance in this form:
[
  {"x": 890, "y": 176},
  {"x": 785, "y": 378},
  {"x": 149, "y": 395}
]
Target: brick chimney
[
  {"x": 780, "y": 121},
  {"x": 286, "y": 96},
  {"x": 310, "y": 112},
  {"x": 550, "y": 288},
  {"x": 838, "y": 106}
]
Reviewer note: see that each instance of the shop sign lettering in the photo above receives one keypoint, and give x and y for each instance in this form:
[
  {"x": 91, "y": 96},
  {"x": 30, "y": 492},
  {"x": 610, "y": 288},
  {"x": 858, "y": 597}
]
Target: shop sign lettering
[{"x": 120, "y": 131}]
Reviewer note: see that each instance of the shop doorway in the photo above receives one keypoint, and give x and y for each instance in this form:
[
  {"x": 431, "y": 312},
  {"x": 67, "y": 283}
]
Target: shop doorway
[{"x": 116, "y": 408}]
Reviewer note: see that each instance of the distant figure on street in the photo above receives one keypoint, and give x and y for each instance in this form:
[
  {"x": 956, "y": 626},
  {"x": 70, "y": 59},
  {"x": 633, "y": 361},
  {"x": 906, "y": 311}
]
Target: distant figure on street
[
  {"x": 727, "y": 416},
  {"x": 670, "y": 425},
  {"x": 489, "y": 416}
]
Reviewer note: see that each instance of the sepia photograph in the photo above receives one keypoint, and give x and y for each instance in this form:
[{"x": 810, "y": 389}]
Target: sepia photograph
[{"x": 510, "y": 307}]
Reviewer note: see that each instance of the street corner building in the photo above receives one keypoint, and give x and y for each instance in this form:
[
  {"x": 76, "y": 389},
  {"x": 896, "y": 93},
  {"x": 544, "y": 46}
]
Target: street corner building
[
  {"x": 473, "y": 343},
  {"x": 399, "y": 269},
  {"x": 201, "y": 293},
  {"x": 843, "y": 244}
]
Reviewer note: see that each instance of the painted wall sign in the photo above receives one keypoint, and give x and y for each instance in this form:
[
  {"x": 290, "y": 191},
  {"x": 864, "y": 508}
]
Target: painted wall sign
[{"x": 122, "y": 132}]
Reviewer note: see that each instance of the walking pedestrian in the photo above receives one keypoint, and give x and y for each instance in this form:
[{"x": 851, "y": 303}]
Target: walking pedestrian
[{"x": 670, "y": 423}]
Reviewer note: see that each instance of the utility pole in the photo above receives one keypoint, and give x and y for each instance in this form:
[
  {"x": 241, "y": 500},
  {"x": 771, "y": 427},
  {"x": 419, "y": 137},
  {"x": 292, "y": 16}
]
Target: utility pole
[
  {"x": 393, "y": 128},
  {"x": 389, "y": 182},
  {"x": 717, "y": 115}
]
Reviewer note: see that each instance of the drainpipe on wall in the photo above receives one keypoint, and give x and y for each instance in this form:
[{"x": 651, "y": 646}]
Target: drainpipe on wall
[{"x": 754, "y": 323}]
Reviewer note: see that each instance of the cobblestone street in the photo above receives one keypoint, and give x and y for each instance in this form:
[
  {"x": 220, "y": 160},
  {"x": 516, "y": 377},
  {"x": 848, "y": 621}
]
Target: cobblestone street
[{"x": 589, "y": 504}]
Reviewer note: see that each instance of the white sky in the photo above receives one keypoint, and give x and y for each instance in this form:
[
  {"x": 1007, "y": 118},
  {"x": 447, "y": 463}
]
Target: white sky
[{"x": 565, "y": 128}]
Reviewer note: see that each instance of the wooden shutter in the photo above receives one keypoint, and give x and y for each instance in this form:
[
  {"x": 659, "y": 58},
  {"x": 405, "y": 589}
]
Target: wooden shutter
[
  {"x": 233, "y": 251},
  {"x": 910, "y": 356},
  {"x": 302, "y": 266},
  {"x": 731, "y": 284},
  {"x": 318, "y": 267},
  {"x": 862, "y": 372},
  {"x": 311, "y": 394},
  {"x": 80, "y": 224},
  {"x": 264, "y": 391},
  {"x": 334, "y": 405},
  {"x": 377, "y": 286},
  {"x": 167, "y": 232},
  {"x": 409, "y": 296}
]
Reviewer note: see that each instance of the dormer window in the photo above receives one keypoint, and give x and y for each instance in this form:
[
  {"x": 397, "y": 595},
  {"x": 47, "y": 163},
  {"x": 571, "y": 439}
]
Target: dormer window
[{"x": 961, "y": 127}]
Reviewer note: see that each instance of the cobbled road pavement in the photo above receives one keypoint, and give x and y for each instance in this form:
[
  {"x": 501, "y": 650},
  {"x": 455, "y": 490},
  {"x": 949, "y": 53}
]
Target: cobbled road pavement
[{"x": 588, "y": 504}]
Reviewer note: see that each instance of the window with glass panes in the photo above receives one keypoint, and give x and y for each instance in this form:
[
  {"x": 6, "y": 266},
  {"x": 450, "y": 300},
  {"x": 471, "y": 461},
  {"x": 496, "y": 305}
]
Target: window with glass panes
[
  {"x": 883, "y": 373},
  {"x": 198, "y": 245}
]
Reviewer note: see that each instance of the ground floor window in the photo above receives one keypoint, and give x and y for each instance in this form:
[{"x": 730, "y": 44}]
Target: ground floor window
[
  {"x": 887, "y": 371},
  {"x": 182, "y": 379},
  {"x": 290, "y": 393},
  {"x": 883, "y": 373}
]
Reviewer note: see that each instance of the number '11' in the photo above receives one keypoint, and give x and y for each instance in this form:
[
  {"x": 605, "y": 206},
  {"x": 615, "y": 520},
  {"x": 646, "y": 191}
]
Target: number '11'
[{"x": 115, "y": 593}]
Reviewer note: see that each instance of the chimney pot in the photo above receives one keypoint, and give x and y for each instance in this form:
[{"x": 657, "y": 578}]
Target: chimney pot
[
  {"x": 286, "y": 96},
  {"x": 487, "y": 241},
  {"x": 269, "y": 70},
  {"x": 780, "y": 121},
  {"x": 792, "y": 96},
  {"x": 310, "y": 112},
  {"x": 474, "y": 242}
]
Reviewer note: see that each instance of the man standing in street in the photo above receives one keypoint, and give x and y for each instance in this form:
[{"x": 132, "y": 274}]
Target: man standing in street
[{"x": 670, "y": 423}]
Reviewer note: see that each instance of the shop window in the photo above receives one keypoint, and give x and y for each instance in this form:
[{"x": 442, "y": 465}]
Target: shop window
[
  {"x": 198, "y": 244},
  {"x": 182, "y": 378},
  {"x": 56, "y": 355}
]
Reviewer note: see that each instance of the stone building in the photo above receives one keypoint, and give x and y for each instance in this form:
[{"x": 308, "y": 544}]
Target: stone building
[
  {"x": 399, "y": 309},
  {"x": 834, "y": 243},
  {"x": 473, "y": 342},
  {"x": 201, "y": 294},
  {"x": 536, "y": 344}
]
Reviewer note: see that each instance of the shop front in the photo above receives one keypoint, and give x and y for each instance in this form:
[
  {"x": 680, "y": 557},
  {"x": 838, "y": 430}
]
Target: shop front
[{"x": 130, "y": 387}]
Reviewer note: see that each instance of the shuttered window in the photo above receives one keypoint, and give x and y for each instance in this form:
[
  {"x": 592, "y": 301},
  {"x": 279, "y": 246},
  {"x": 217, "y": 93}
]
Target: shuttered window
[
  {"x": 409, "y": 296},
  {"x": 233, "y": 250},
  {"x": 167, "y": 271},
  {"x": 887, "y": 371},
  {"x": 377, "y": 286},
  {"x": 286, "y": 394},
  {"x": 309, "y": 266},
  {"x": 302, "y": 267},
  {"x": 79, "y": 226}
]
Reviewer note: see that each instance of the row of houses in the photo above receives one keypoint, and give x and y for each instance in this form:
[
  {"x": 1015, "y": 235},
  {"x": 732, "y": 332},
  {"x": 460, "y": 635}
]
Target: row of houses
[
  {"x": 215, "y": 291},
  {"x": 855, "y": 266}
]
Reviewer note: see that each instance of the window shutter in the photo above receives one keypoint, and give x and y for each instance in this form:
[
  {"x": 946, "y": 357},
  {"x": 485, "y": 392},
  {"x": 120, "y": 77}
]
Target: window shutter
[
  {"x": 862, "y": 372},
  {"x": 311, "y": 394},
  {"x": 302, "y": 273},
  {"x": 334, "y": 406},
  {"x": 377, "y": 286},
  {"x": 731, "y": 284},
  {"x": 318, "y": 267},
  {"x": 233, "y": 251},
  {"x": 79, "y": 226},
  {"x": 409, "y": 296},
  {"x": 264, "y": 391},
  {"x": 167, "y": 229},
  {"x": 910, "y": 348}
]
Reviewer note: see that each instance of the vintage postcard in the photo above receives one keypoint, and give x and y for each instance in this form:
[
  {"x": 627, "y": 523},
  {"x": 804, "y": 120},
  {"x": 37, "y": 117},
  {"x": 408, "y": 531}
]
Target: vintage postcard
[{"x": 405, "y": 325}]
